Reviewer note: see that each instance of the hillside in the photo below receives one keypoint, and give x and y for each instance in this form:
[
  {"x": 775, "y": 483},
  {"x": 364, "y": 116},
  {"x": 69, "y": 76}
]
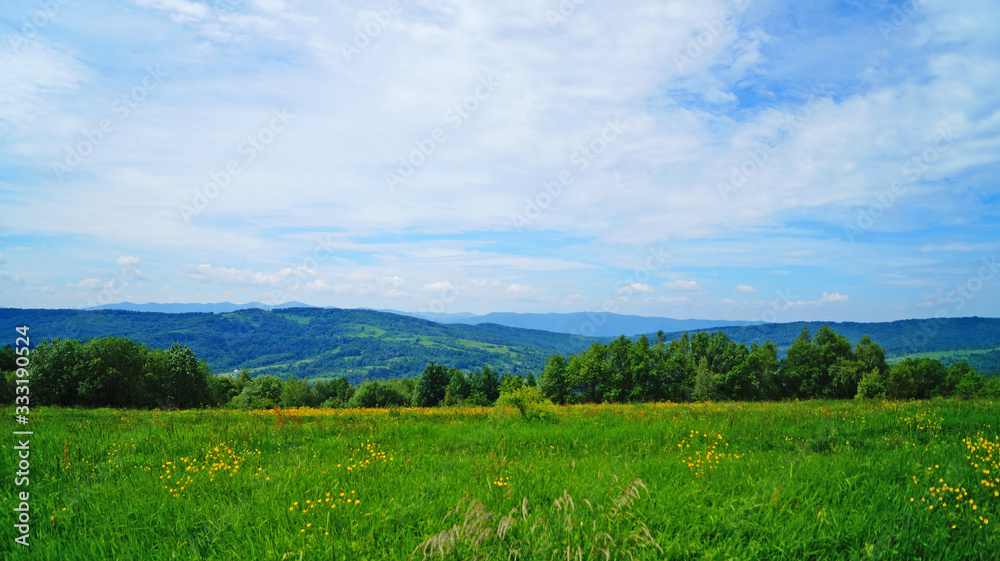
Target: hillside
[
  {"x": 321, "y": 342},
  {"x": 312, "y": 342},
  {"x": 580, "y": 323},
  {"x": 904, "y": 337}
]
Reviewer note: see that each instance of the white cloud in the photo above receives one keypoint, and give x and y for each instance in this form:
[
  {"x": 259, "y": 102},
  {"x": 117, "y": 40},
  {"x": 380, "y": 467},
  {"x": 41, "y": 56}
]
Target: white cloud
[
  {"x": 225, "y": 275},
  {"x": 641, "y": 287},
  {"x": 88, "y": 283},
  {"x": 681, "y": 286},
  {"x": 834, "y": 297},
  {"x": 4, "y": 275},
  {"x": 321, "y": 285},
  {"x": 129, "y": 261},
  {"x": 962, "y": 247},
  {"x": 440, "y": 286},
  {"x": 656, "y": 181},
  {"x": 517, "y": 289},
  {"x": 744, "y": 288}
]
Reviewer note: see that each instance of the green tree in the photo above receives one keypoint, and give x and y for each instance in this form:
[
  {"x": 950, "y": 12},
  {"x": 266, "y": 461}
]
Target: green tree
[
  {"x": 770, "y": 370},
  {"x": 431, "y": 386},
  {"x": 56, "y": 371},
  {"x": 373, "y": 393},
  {"x": 243, "y": 379},
  {"x": 704, "y": 383},
  {"x": 8, "y": 359},
  {"x": 618, "y": 363},
  {"x": 222, "y": 389},
  {"x": 114, "y": 374},
  {"x": 263, "y": 392},
  {"x": 873, "y": 385},
  {"x": 963, "y": 381},
  {"x": 458, "y": 389},
  {"x": 803, "y": 367},
  {"x": 296, "y": 392},
  {"x": 486, "y": 383},
  {"x": 530, "y": 380},
  {"x": 180, "y": 379},
  {"x": 742, "y": 382},
  {"x": 554, "y": 384},
  {"x": 646, "y": 382},
  {"x": 870, "y": 354},
  {"x": 593, "y": 376}
]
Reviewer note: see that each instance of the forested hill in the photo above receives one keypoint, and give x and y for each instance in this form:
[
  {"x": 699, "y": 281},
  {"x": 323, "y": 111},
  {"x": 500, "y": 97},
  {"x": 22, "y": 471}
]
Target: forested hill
[
  {"x": 313, "y": 342},
  {"x": 899, "y": 338},
  {"x": 322, "y": 342}
]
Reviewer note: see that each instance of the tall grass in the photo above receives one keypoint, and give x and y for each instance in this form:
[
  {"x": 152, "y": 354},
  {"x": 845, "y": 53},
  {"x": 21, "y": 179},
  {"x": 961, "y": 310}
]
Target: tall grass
[{"x": 801, "y": 480}]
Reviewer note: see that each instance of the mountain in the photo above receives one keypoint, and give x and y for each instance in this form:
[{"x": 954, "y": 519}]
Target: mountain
[
  {"x": 580, "y": 323},
  {"x": 311, "y": 342},
  {"x": 900, "y": 338},
  {"x": 322, "y": 342},
  {"x": 219, "y": 308}
]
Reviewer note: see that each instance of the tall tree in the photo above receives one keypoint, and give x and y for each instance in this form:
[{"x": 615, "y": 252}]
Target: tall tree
[
  {"x": 554, "y": 384},
  {"x": 431, "y": 386}
]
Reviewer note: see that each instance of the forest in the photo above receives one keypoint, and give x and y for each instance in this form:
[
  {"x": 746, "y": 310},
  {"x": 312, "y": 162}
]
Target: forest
[
  {"x": 367, "y": 344},
  {"x": 118, "y": 372}
]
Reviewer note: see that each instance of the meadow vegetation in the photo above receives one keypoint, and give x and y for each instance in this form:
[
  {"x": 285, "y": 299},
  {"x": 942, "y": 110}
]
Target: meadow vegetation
[
  {"x": 849, "y": 479},
  {"x": 117, "y": 372}
]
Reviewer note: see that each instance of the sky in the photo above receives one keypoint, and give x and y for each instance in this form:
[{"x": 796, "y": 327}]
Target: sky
[{"x": 723, "y": 159}]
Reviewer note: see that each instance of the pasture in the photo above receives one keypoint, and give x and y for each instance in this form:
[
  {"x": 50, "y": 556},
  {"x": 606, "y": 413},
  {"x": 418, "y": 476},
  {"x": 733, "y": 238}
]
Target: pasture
[{"x": 794, "y": 480}]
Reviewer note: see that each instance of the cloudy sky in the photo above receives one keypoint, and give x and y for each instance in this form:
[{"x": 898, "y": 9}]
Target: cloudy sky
[{"x": 737, "y": 159}]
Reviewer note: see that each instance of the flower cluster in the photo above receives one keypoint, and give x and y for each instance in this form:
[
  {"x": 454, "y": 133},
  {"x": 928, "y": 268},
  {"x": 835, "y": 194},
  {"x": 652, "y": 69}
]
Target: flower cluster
[
  {"x": 220, "y": 461},
  {"x": 708, "y": 453},
  {"x": 311, "y": 509}
]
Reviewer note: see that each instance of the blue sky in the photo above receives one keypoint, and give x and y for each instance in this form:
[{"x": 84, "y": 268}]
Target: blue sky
[{"x": 748, "y": 160}]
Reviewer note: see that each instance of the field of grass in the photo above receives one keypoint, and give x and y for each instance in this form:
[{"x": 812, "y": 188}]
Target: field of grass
[{"x": 803, "y": 480}]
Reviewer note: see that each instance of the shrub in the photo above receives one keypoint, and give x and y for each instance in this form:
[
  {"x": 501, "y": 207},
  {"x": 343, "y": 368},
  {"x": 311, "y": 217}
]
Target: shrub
[{"x": 529, "y": 402}]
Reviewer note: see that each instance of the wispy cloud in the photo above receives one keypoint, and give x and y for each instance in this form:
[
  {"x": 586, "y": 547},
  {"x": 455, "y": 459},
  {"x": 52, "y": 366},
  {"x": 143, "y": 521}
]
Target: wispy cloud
[{"x": 815, "y": 116}]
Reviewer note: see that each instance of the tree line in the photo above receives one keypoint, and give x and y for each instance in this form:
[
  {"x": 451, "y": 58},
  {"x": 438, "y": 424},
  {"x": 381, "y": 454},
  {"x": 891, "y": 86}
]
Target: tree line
[
  {"x": 118, "y": 372},
  {"x": 711, "y": 366}
]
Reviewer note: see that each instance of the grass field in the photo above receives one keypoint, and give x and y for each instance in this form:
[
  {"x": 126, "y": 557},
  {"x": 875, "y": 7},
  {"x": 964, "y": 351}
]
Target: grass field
[{"x": 804, "y": 480}]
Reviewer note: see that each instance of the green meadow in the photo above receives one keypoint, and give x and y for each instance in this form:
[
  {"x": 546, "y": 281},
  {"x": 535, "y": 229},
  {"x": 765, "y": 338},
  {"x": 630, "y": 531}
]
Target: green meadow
[{"x": 792, "y": 480}]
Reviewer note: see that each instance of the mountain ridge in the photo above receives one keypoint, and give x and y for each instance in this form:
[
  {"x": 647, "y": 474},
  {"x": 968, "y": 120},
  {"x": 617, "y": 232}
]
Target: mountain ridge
[{"x": 323, "y": 342}]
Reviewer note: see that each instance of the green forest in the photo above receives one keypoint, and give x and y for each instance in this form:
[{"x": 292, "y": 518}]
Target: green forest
[
  {"x": 360, "y": 345},
  {"x": 118, "y": 372}
]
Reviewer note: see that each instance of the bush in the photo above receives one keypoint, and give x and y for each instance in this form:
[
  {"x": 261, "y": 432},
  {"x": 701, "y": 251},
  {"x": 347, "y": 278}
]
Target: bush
[
  {"x": 377, "y": 394},
  {"x": 529, "y": 402},
  {"x": 872, "y": 385}
]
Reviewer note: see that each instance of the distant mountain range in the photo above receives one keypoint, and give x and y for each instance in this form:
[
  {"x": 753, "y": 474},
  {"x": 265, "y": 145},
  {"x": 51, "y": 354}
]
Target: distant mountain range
[
  {"x": 219, "y": 308},
  {"x": 587, "y": 324},
  {"x": 321, "y": 342},
  {"x": 581, "y": 323}
]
